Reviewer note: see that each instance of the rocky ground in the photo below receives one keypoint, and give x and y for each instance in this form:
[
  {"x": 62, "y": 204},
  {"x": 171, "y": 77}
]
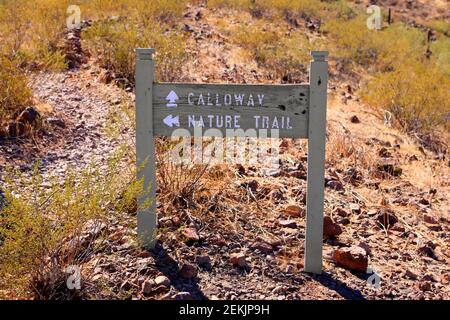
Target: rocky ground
[{"x": 242, "y": 235}]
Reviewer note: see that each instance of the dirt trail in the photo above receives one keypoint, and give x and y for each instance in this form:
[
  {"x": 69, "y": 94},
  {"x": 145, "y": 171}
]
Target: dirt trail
[{"x": 78, "y": 117}]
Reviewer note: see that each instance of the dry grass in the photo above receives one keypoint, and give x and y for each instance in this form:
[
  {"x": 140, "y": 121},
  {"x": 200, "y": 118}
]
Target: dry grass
[{"x": 14, "y": 92}]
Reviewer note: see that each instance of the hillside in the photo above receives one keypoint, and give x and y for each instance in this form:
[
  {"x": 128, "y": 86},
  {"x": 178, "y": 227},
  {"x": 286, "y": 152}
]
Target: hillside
[{"x": 229, "y": 231}]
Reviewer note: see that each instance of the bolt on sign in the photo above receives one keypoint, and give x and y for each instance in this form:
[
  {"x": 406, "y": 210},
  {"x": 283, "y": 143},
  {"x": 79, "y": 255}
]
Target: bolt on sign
[{"x": 278, "y": 111}]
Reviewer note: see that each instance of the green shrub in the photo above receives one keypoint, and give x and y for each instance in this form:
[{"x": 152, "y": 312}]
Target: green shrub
[
  {"x": 276, "y": 9},
  {"x": 441, "y": 26},
  {"x": 283, "y": 55},
  {"x": 114, "y": 42},
  {"x": 353, "y": 42},
  {"x": 235, "y": 4},
  {"x": 416, "y": 94},
  {"x": 44, "y": 231},
  {"x": 441, "y": 54},
  {"x": 14, "y": 91},
  {"x": 32, "y": 31}
]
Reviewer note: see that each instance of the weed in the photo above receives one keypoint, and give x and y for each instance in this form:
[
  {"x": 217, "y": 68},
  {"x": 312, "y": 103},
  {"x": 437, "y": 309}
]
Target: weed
[{"x": 44, "y": 230}]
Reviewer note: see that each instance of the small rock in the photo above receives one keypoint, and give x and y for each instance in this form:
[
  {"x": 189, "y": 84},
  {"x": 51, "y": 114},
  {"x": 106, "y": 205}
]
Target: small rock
[
  {"x": 144, "y": 254},
  {"x": 353, "y": 258},
  {"x": 204, "y": 261},
  {"x": 425, "y": 286},
  {"x": 188, "y": 28},
  {"x": 429, "y": 277},
  {"x": 162, "y": 281},
  {"x": 198, "y": 15},
  {"x": 366, "y": 247},
  {"x": 274, "y": 242},
  {"x": 340, "y": 212},
  {"x": 188, "y": 271},
  {"x": 126, "y": 286},
  {"x": 330, "y": 228},
  {"x": 15, "y": 129},
  {"x": 147, "y": 287},
  {"x": 190, "y": 234},
  {"x": 384, "y": 153},
  {"x": 29, "y": 116},
  {"x": 410, "y": 275},
  {"x": 263, "y": 247},
  {"x": 238, "y": 260},
  {"x": 56, "y": 122},
  {"x": 355, "y": 208},
  {"x": 424, "y": 202},
  {"x": 428, "y": 250},
  {"x": 445, "y": 279},
  {"x": 355, "y": 119},
  {"x": 386, "y": 218},
  {"x": 390, "y": 169},
  {"x": 253, "y": 185},
  {"x": 277, "y": 195},
  {"x": 160, "y": 289},
  {"x": 335, "y": 185},
  {"x": 429, "y": 219},
  {"x": 105, "y": 76},
  {"x": 294, "y": 211},
  {"x": 288, "y": 223},
  {"x": 240, "y": 169}
]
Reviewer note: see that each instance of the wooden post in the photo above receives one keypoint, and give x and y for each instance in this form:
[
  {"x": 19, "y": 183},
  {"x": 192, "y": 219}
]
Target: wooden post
[
  {"x": 318, "y": 79},
  {"x": 145, "y": 145}
]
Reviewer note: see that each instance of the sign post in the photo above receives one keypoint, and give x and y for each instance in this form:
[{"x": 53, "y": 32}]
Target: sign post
[
  {"x": 145, "y": 144},
  {"x": 318, "y": 79},
  {"x": 285, "y": 111}
]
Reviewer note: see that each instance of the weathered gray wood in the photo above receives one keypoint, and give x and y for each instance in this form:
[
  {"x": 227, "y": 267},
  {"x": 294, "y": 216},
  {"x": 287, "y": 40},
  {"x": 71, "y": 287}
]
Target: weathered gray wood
[
  {"x": 304, "y": 105},
  {"x": 316, "y": 162},
  {"x": 288, "y": 103},
  {"x": 145, "y": 147}
]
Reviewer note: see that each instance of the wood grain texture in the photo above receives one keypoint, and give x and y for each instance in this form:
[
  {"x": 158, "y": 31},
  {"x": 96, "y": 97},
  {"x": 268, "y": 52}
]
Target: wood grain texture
[{"x": 287, "y": 103}]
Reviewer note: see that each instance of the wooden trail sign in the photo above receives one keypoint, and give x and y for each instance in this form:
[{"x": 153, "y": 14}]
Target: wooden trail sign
[{"x": 292, "y": 111}]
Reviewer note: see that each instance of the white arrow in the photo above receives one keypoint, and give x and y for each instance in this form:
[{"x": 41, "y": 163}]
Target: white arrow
[
  {"x": 172, "y": 97},
  {"x": 171, "y": 120}
]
